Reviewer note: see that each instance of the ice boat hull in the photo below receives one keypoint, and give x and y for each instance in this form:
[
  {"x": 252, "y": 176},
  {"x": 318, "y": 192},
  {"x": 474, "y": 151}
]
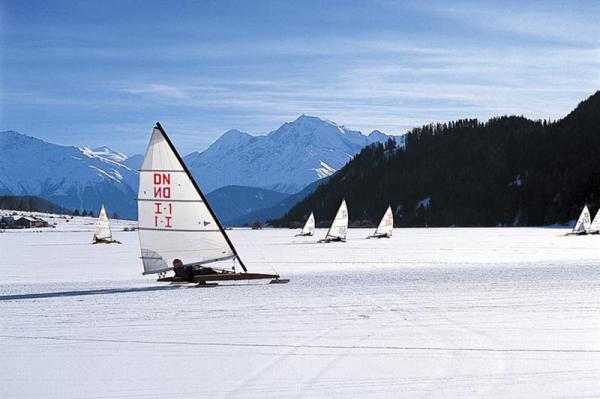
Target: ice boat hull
[
  {"x": 101, "y": 241},
  {"x": 333, "y": 239},
  {"x": 235, "y": 277},
  {"x": 380, "y": 236},
  {"x": 203, "y": 279}
]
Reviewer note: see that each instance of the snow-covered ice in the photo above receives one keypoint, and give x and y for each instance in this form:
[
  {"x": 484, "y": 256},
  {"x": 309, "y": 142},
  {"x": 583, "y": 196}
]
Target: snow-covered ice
[{"x": 500, "y": 312}]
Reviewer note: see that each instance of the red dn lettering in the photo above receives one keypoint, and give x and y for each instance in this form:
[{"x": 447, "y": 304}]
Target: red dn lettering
[
  {"x": 162, "y": 185},
  {"x": 163, "y": 211}
]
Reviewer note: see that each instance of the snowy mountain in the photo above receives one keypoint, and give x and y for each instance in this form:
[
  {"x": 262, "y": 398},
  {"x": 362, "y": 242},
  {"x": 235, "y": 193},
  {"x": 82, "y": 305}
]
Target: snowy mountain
[
  {"x": 72, "y": 177},
  {"x": 285, "y": 160},
  {"x": 106, "y": 152}
]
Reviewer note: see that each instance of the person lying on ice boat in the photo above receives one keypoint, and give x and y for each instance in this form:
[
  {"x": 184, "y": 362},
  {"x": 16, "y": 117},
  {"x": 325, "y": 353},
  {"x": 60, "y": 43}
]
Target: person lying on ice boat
[{"x": 188, "y": 273}]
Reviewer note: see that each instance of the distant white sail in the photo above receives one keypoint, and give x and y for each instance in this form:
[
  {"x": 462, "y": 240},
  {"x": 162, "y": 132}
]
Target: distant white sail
[
  {"x": 584, "y": 222},
  {"x": 339, "y": 227},
  {"x": 386, "y": 226},
  {"x": 595, "y": 226},
  {"x": 102, "y": 232},
  {"x": 174, "y": 220},
  {"x": 309, "y": 227}
]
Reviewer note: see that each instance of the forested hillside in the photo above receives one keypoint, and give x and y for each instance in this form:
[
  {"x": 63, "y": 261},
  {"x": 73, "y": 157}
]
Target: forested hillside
[
  {"x": 506, "y": 171},
  {"x": 30, "y": 203}
]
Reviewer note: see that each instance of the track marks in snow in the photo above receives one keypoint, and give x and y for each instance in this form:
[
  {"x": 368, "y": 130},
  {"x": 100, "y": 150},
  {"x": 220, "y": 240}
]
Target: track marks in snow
[
  {"x": 274, "y": 362},
  {"x": 311, "y": 346}
]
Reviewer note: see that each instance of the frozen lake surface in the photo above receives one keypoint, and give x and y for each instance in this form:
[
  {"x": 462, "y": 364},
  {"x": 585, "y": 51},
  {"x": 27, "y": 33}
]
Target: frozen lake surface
[{"x": 429, "y": 313}]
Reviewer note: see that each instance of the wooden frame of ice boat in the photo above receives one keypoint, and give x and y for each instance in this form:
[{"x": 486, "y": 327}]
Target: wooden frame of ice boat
[
  {"x": 175, "y": 221},
  {"x": 225, "y": 275},
  {"x": 105, "y": 241},
  {"x": 327, "y": 240},
  {"x": 384, "y": 235}
]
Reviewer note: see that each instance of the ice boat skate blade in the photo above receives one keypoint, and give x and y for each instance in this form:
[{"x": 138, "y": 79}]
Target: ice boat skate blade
[
  {"x": 206, "y": 285},
  {"x": 280, "y": 281},
  {"x": 170, "y": 280}
]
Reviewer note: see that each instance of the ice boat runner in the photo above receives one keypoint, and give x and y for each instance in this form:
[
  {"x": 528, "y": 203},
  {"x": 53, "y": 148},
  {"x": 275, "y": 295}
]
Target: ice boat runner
[
  {"x": 583, "y": 224},
  {"x": 386, "y": 226},
  {"x": 177, "y": 228},
  {"x": 103, "y": 234},
  {"x": 309, "y": 227},
  {"x": 339, "y": 226}
]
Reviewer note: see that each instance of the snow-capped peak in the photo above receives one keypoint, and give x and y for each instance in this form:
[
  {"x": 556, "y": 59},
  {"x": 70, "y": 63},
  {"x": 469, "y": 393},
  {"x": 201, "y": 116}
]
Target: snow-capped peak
[
  {"x": 107, "y": 152},
  {"x": 72, "y": 177},
  {"x": 325, "y": 170},
  {"x": 286, "y": 160}
]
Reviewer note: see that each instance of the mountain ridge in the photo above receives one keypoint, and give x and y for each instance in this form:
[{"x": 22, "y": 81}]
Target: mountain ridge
[
  {"x": 72, "y": 177},
  {"x": 84, "y": 177},
  {"x": 309, "y": 146},
  {"x": 508, "y": 171}
]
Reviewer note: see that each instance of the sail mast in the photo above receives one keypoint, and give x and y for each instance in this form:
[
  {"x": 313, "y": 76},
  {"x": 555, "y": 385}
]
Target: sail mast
[{"x": 212, "y": 213}]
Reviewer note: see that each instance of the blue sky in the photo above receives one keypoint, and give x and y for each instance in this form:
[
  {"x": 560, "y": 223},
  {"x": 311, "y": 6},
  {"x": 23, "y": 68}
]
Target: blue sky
[{"x": 102, "y": 72}]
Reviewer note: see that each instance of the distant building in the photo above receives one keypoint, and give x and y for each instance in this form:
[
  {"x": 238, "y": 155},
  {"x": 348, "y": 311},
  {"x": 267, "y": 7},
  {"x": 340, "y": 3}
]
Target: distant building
[
  {"x": 28, "y": 222},
  {"x": 7, "y": 222}
]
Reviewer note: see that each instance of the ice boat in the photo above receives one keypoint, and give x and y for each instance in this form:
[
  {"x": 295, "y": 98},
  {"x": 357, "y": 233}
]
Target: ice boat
[
  {"x": 595, "y": 226},
  {"x": 386, "y": 226},
  {"x": 177, "y": 228},
  {"x": 339, "y": 226},
  {"x": 309, "y": 227},
  {"x": 583, "y": 225},
  {"x": 102, "y": 233}
]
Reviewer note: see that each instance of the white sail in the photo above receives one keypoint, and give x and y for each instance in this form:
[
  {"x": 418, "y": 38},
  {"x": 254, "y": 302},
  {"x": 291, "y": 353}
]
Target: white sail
[
  {"x": 339, "y": 227},
  {"x": 386, "y": 226},
  {"x": 584, "y": 222},
  {"x": 174, "y": 220},
  {"x": 309, "y": 227},
  {"x": 102, "y": 232},
  {"x": 595, "y": 226}
]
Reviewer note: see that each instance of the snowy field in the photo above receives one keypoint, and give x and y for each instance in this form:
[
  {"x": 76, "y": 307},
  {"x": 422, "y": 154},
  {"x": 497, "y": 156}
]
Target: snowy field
[{"x": 512, "y": 313}]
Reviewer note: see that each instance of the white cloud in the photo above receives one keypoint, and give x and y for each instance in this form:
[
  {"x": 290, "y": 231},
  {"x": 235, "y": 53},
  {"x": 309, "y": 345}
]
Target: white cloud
[{"x": 158, "y": 91}]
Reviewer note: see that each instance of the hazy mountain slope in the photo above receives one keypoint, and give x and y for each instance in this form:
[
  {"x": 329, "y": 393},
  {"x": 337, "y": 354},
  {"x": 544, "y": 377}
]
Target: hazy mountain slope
[
  {"x": 232, "y": 202},
  {"x": 279, "y": 209}
]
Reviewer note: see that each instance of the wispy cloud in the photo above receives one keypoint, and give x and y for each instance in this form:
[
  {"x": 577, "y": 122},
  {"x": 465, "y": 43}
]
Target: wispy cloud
[
  {"x": 393, "y": 95},
  {"x": 162, "y": 91},
  {"x": 384, "y": 65},
  {"x": 572, "y": 22}
]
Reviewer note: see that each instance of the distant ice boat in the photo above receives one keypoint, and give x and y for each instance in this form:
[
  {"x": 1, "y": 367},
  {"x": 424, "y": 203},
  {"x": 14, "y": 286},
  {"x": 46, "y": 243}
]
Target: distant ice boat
[
  {"x": 309, "y": 227},
  {"x": 177, "y": 228},
  {"x": 595, "y": 226},
  {"x": 386, "y": 226},
  {"x": 339, "y": 226},
  {"x": 583, "y": 225},
  {"x": 103, "y": 233}
]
